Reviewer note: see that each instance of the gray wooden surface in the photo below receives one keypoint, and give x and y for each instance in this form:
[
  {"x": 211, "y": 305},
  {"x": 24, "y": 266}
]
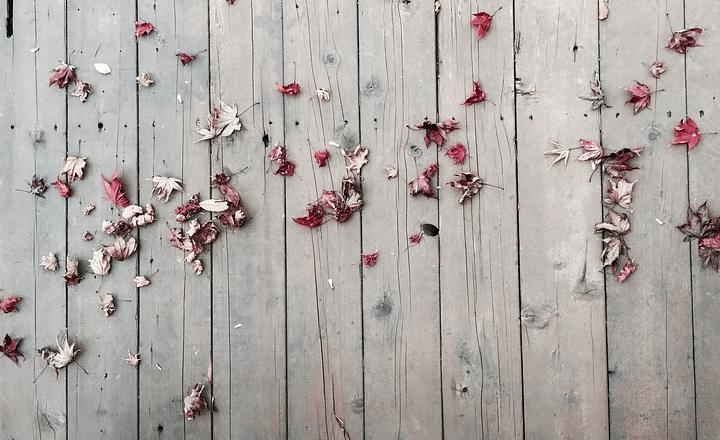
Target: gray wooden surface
[{"x": 501, "y": 325}]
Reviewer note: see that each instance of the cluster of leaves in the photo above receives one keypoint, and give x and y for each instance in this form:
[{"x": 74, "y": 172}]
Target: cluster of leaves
[
  {"x": 64, "y": 73},
  {"x": 279, "y": 156},
  {"x": 73, "y": 168},
  {"x": 704, "y": 228}
]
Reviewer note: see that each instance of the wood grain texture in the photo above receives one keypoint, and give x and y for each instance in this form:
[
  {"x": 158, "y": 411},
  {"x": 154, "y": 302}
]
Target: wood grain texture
[
  {"x": 482, "y": 383},
  {"x": 649, "y": 335},
  {"x": 249, "y": 324},
  {"x": 561, "y": 283}
]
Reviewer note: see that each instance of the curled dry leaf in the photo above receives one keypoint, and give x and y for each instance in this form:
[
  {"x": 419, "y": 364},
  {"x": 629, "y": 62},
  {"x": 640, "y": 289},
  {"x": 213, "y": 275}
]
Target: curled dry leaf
[
  {"x": 210, "y": 372},
  {"x": 223, "y": 122},
  {"x": 185, "y": 58},
  {"x": 437, "y": 7},
  {"x": 222, "y": 183},
  {"x": 369, "y": 259},
  {"x": 354, "y": 161},
  {"x": 197, "y": 267},
  {"x": 9, "y": 348},
  {"x": 121, "y": 229},
  {"x": 415, "y": 239},
  {"x": 143, "y": 28},
  {"x": 391, "y": 172},
  {"x": 141, "y": 281},
  {"x": 469, "y": 183},
  {"x": 323, "y": 94},
  {"x": 114, "y": 191},
  {"x": 478, "y": 95},
  {"x": 620, "y": 193},
  {"x": 88, "y": 209},
  {"x": 82, "y": 90},
  {"x": 321, "y": 157},
  {"x": 184, "y": 212},
  {"x": 596, "y": 96},
  {"x": 103, "y": 68},
  {"x": 132, "y": 359},
  {"x": 100, "y": 262},
  {"x": 291, "y": 89},
  {"x": 457, "y": 153},
  {"x": 144, "y": 79},
  {"x": 64, "y": 73},
  {"x": 107, "y": 304},
  {"x": 8, "y": 305},
  {"x": 72, "y": 274},
  {"x": 611, "y": 250},
  {"x": 561, "y": 151},
  {"x": 619, "y": 224},
  {"x": 314, "y": 217},
  {"x": 136, "y": 217},
  {"x": 194, "y": 403},
  {"x": 627, "y": 269},
  {"x": 421, "y": 185},
  {"x": 437, "y": 132},
  {"x": 49, "y": 262},
  {"x": 233, "y": 217},
  {"x": 703, "y": 227},
  {"x": 62, "y": 188},
  {"x": 74, "y": 167},
  {"x": 640, "y": 96},
  {"x": 215, "y": 205},
  {"x": 61, "y": 357},
  {"x": 163, "y": 186},
  {"x": 657, "y": 69},
  {"x": 603, "y": 10},
  {"x": 195, "y": 240},
  {"x": 121, "y": 250},
  {"x": 616, "y": 163},
  {"x": 87, "y": 236},
  {"x": 36, "y": 187},
  {"x": 679, "y": 41},
  {"x": 686, "y": 133},
  {"x": 279, "y": 156}
]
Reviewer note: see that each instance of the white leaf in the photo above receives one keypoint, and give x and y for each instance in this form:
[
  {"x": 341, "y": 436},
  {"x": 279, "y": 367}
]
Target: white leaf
[
  {"x": 103, "y": 68},
  {"x": 214, "y": 205}
]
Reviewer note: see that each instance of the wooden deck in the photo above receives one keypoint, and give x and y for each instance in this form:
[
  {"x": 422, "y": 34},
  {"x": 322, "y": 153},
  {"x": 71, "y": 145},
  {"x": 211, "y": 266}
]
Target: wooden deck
[{"x": 503, "y": 325}]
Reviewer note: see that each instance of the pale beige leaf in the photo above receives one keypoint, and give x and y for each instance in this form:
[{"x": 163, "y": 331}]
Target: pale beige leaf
[
  {"x": 107, "y": 304},
  {"x": 73, "y": 167},
  {"x": 88, "y": 209},
  {"x": 163, "y": 186},
  {"x": 603, "y": 10},
  {"x": 100, "y": 262},
  {"x": 49, "y": 262},
  {"x": 144, "y": 79},
  {"x": 141, "y": 281},
  {"x": 103, "y": 68},
  {"x": 133, "y": 359},
  {"x": 214, "y": 205}
]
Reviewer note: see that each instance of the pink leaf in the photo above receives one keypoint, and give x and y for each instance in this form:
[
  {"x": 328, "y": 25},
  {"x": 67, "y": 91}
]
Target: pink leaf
[
  {"x": 625, "y": 272},
  {"x": 679, "y": 41},
  {"x": 63, "y": 189},
  {"x": 686, "y": 133},
  {"x": 457, "y": 153},
  {"x": 185, "y": 58},
  {"x": 291, "y": 89},
  {"x": 143, "y": 28},
  {"x": 63, "y": 75},
  {"x": 369, "y": 259},
  {"x": 314, "y": 217},
  {"x": 321, "y": 157},
  {"x": 640, "y": 96},
  {"x": 478, "y": 95},
  {"x": 114, "y": 191},
  {"x": 8, "y": 304}
]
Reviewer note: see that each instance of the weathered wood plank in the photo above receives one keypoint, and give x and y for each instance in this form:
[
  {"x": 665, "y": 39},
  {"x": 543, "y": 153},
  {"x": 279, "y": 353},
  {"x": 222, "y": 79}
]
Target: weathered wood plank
[
  {"x": 175, "y": 314},
  {"x": 702, "y": 107},
  {"x": 482, "y": 370},
  {"x": 249, "y": 263},
  {"x": 560, "y": 273},
  {"x": 401, "y": 294},
  {"x": 649, "y": 324},
  {"x": 324, "y": 327},
  {"x": 101, "y": 403},
  {"x": 32, "y": 126}
]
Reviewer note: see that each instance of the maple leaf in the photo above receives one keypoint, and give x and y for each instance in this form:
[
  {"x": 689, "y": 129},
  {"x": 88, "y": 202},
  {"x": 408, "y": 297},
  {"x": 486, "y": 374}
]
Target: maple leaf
[
  {"x": 121, "y": 250},
  {"x": 132, "y": 359},
  {"x": 686, "y": 133},
  {"x": 222, "y": 121},
  {"x": 700, "y": 224},
  {"x": 616, "y": 163},
  {"x": 351, "y": 193},
  {"x": 114, "y": 191},
  {"x": 121, "y": 229},
  {"x": 107, "y": 304},
  {"x": 61, "y": 357},
  {"x": 188, "y": 209},
  {"x": 657, "y": 69},
  {"x": 194, "y": 403},
  {"x": 709, "y": 251},
  {"x": 63, "y": 189},
  {"x": 36, "y": 187},
  {"x": 627, "y": 269},
  {"x": 321, "y": 157},
  {"x": 561, "y": 151},
  {"x": 603, "y": 10},
  {"x": 421, "y": 185},
  {"x": 8, "y": 304},
  {"x": 640, "y": 96},
  {"x": 73, "y": 168},
  {"x": 323, "y": 94},
  {"x": 619, "y": 224},
  {"x": 482, "y": 20},
  {"x": 291, "y": 89},
  {"x": 72, "y": 274},
  {"x": 49, "y": 262},
  {"x": 620, "y": 193},
  {"x": 369, "y": 259},
  {"x": 314, "y": 217},
  {"x": 680, "y": 40},
  {"x": 596, "y": 96},
  {"x": 143, "y": 28},
  {"x": 196, "y": 238},
  {"x": 457, "y": 153},
  {"x": 185, "y": 58},
  {"x": 163, "y": 186},
  {"x": 222, "y": 183},
  {"x": 234, "y": 217},
  {"x": 391, "y": 172},
  {"x": 144, "y": 79},
  {"x": 469, "y": 183},
  {"x": 9, "y": 348},
  {"x": 100, "y": 262},
  {"x": 354, "y": 161},
  {"x": 593, "y": 152},
  {"x": 436, "y": 132},
  {"x": 478, "y": 95},
  {"x": 279, "y": 156},
  {"x": 141, "y": 281},
  {"x": 611, "y": 250},
  {"x": 82, "y": 90},
  {"x": 63, "y": 75}
]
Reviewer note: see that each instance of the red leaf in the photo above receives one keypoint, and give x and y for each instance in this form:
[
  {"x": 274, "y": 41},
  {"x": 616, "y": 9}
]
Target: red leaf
[
  {"x": 278, "y": 155},
  {"x": 314, "y": 217},
  {"x": 436, "y": 132},
  {"x": 369, "y": 259},
  {"x": 9, "y": 348},
  {"x": 616, "y": 163},
  {"x": 593, "y": 152},
  {"x": 63, "y": 75},
  {"x": 185, "y": 58},
  {"x": 640, "y": 96},
  {"x": 469, "y": 183},
  {"x": 187, "y": 210},
  {"x": 143, "y": 28},
  {"x": 233, "y": 217},
  {"x": 63, "y": 189},
  {"x": 221, "y": 181},
  {"x": 421, "y": 185},
  {"x": 686, "y": 133},
  {"x": 415, "y": 239},
  {"x": 321, "y": 157},
  {"x": 478, "y": 95},
  {"x": 291, "y": 89},
  {"x": 625, "y": 272},
  {"x": 114, "y": 191},
  {"x": 8, "y": 304},
  {"x": 457, "y": 153},
  {"x": 482, "y": 20},
  {"x": 681, "y": 40},
  {"x": 619, "y": 224}
]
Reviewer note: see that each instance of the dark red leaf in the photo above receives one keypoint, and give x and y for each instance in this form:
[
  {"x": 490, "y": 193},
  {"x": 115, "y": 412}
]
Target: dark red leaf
[
  {"x": 640, "y": 96},
  {"x": 234, "y": 217},
  {"x": 679, "y": 41},
  {"x": 710, "y": 256},
  {"x": 415, "y": 239},
  {"x": 314, "y": 217},
  {"x": 291, "y": 89},
  {"x": 221, "y": 182},
  {"x": 436, "y": 132},
  {"x": 482, "y": 20},
  {"x": 143, "y": 28},
  {"x": 62, "y": 188},
  {"x": 8, "y": 304},
  {"x": 279, "y": 156},
  {"x": 63, "y": 75},
  {"x": 686, "y": 133},
  {"x": 421, "y": 185},
  {"x": 457, "y": 153},
  {"x": 369, "y": 259},
  {"x": 478, "y": 95},
  {"x": 469, "y": 183},
  {"x": 185, "y": 58},
  {"x": 321, "y": 157},
  {"x": 114, "y": 191},
  {"x": 10, "y": 348},
  {"x": 616, "y": 163},
  {"x": 187, "y": 210}
]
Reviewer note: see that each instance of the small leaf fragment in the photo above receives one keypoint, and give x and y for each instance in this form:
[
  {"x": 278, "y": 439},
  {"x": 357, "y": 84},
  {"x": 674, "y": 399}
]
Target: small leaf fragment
[
  {"x": 8, "y": 305},
  {"x": 107, "y": 304},
  {"x": 103, "y": 68},
  {"x": 141, "y": 281}
]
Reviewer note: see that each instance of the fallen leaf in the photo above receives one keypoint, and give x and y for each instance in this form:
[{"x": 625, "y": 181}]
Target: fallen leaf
[
  {"x": 482, "y": 20},
  {"x": 87, "y": 236},
  {"x": 279, "y": 156},
  {"x": 611, "y": 250},
  {"x": 103, "y": 68},
  {"x": 10, "y": 348},
  {"x": 625, "y": 272},
  {"x": 197, "y": 267},
  {"x": 214, "y": 205},
  {"x": 223, "y": 122},
  {"x": 144, "y": 79},
  {"x": 354, "y": 161},
  {"x": 88, "y": 209},
  {"x": 82, "y": 90},
  {"x": 141, "y": 281},
  {"x": 596, "y": 96},
  {"x": 603, "y": 10},
  {"x": 619, "y": 224},
  {"x": 561, "y": 151},
  {"x": 49, "y": 262},
  {"x": 457, "y": 153},
  {"x": 421, "y": 185},
  {"x": 185, "y": 211},
  {"x": 121, "y": 250},
  {"x": 63, "y": 189},
  {"x": 478, "y": 95},
  {"x": 72, "y": 274},
  {"x": 136, "y": 216},
  {"x": 61, "y": 357},
  {"x": 107, "y": 304},
  {"x": 415, "y": 239},
  {"x": 63, "y": 75},
  {"x": 291, "y": 89},
  {"x": 143, "y": 28},
  {"x": 314, "y": 217},
  {"x": 469, "y": 183},
  {"x": 8, "y": 304},
  {"x": 436, "y": 132},
  {"x": 686, "y": 133},
  {"x": 391, "y": 172},
  {"x": 620, "y": 193},
  {"x": 164, "y": 186},
  {"x": 222, "y": 183},
  {"x": 640, "y": 96},
  {"x": 36, "y": 187},
  {"x": 321, "y": 157},
  {"x": 100, "y": 262},
  {"x": 700, "y": 224},
  {"x": 185, "y": 58},
  {"x": 233, "y": 217},
  {"x": 121, "y": 229},
  {"x": 194, "y": 403},
  {"x": 323, "y": 94},
  {"x": 679, "y": 41},
  {"x": 370, "y": 259},
  {"x": 657, "y": 69},
  {"x": 132, "y": 359},
  {"x": 114, "y": 191},
  {"x": 616, "y": 163}
]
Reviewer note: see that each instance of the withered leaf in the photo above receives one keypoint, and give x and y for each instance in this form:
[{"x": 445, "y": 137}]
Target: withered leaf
[
  {"x": 107, "y": 304},
  {"x": 64, "y": 73},
  {"x": 619, "y": 224},
  {"x": 143, "y": 28},
  {"x": 627, "y": 269},
  {"x": 136, "y": 216},
  {"x": 477, "y": 95},
  {"x": 49, "y": 262},
  {"x": 194, "y": 403},
  {"x": 616, "y": 163},
  {"x": 680, "y": 40},
  {"x": 121, "y": 250},
  {"x": 100, "y": 262},
  {"x": 469, "y": 183},
  {"x": 657, "y": 69},
  {"x": 72, "y": 274},
  {"x": 62, "y": 188},
  {"x": 561, "y": 151},
  {"x": 141, "y": 281},
  {"x": 596, "y": 96},
  {"x": 355, "y": 160},
  {"x": 82, "y": 90},
  {"x": 611, "y": 250},
  {"x": 8, "y": 305},
  {"x": 144, "y": 79},
  {"x": 9, "y": 348},
  {"x": 163, "y": 186},
  {"x": 185, "y": 58},
  {"x": 132, "y": 359},
  {"x": 223, "y": 122},
  {"x": 74, "y": 167},
  {"x": 620, "y": 193}
]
